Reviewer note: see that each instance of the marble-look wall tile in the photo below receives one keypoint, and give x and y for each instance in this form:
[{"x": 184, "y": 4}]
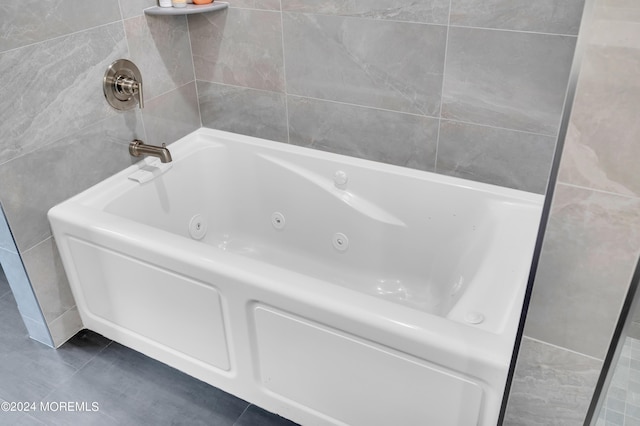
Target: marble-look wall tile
[
  {"x": 48, "y": 279},
  {"x": 6, "y": 239},
  {"x": 385, "y": 136},
  {"x": 131, "y": 8},
  {"x": 53, "y": 88},
  {"x": 241, "y": 110},
  {"x": 507, "y": 79},
  {"x": 590, "y": 249},
  {"x": 255, "y": 4},
  {"x": 602, "y": 146},
  {"x": 35, "y": 182},
  {"x": 501, "y": 157},
  {"x": 59, "y": 136},
  {"x": 545, "y": 16},
  {"x": 23, "y": 293},
  {"x": 551, "y": 386},
  {"x": 618, "y": 10},
  {"x": 425, "y": 11},
  {"x": 173, "y": 115},
  {"x": 241, "y": 47},
  {"x": 159, "y": 46},
  {"x": 65, "y": 326},
  {"x": 30, "y": 21},
  {"x": 383, "y": 64},
  {"x": 38, "y": 331}
]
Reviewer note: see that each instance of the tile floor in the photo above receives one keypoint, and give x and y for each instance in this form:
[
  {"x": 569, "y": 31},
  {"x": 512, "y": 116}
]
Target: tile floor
[
  {"x": 622, "y": 403},
  {"x": 130, "y": 388}
]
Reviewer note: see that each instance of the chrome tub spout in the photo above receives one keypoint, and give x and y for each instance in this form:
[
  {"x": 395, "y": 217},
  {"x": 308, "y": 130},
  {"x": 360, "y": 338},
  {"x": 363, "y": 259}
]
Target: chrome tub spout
[{"x": 138, "y": 148}]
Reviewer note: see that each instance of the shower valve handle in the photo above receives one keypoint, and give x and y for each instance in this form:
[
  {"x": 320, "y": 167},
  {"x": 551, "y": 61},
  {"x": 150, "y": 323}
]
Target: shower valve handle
[
  {"x": 122, "y": 85},
  {"x": 128, "y": 87}
]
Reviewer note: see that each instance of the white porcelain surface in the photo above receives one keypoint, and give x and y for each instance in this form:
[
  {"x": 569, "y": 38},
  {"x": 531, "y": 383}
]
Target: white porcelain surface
[{"x": 424, "y": 251}]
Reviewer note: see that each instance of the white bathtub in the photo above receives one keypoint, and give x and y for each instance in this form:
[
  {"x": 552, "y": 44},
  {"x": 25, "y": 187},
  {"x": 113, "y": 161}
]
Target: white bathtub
[{"x": 391, "y": 299}]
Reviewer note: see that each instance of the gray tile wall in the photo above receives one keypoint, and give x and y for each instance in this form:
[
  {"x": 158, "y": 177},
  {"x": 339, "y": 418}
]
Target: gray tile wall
[
  {"x": 465, "y": 87},
  {"x": 552, "y": 386},
  {"x": 593, "y": 237},
  {"x": 58, "y": 134}
]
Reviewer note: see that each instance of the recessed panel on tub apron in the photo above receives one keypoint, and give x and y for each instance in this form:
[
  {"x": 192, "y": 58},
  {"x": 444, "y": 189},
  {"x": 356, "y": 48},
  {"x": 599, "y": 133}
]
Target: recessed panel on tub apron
[
  {"x": 354, "y": 382},
  {"x": 153, "y": 302}
]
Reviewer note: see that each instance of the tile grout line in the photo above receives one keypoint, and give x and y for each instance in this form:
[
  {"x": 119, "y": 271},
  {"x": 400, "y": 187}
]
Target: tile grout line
[
  {"x": 109, "y": 115},
  {"x": 95, "y": 123},
  {"x": 563, "y": 348},
  {"x": 515, "y": 31},
  {"x": 58, "y": 37},
  {"x": 448, "y": 24},
  {"x": 379, "y": 109},
  {"x": 193, "y": 64},
  {"x": 120, "y": 10},
  {"x": 242, "y": 414},
  {"x": 77, "y": 370},
  {"x": 600, "y": 191},
  {"x": 171, "y": 90},
  {"x": 66, "y": 136},
  {"x": 284, "y": 77},
  {"x": 444, "y": 74}
]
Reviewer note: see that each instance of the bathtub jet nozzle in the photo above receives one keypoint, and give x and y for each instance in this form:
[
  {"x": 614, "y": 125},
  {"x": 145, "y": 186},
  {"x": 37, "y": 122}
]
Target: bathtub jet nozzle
[{"x": 138, "y": 148}]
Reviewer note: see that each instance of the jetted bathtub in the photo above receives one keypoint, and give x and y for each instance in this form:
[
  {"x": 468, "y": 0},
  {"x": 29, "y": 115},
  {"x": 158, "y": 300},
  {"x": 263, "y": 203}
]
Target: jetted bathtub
[{"x": 327, "y": 289}]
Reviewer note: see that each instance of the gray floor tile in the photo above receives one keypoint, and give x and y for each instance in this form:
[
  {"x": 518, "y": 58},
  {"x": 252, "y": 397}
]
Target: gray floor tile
[
  {"x": 82, "y": 348},
  {"x": 614, "y": 418},
  {"x": 128, "y": 387},
  {"x": 256, "y": 416},
  {"x": 13, "y": 334},
  {"x": 18, "y": 419},
  {"x": 29, "y": 370},
  {"x": 134, "y": 389},
  {"x": 31, "y": 375},
  {"x": 56, "y": 417},
  {"x": 623, "y": 396}
]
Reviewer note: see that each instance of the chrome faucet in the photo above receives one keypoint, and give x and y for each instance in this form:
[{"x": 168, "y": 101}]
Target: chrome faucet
[{"x": 138, "y": 148}]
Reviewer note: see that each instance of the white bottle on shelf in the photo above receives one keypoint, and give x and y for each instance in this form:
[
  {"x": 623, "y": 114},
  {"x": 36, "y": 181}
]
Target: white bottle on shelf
[{"x": 164, "y": 3}]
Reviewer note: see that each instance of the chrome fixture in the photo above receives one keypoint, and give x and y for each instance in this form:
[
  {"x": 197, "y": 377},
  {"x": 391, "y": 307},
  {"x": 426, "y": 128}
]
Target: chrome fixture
[
  {"x": 122, "y": 85},
  {"x": 138, "y": 148}
]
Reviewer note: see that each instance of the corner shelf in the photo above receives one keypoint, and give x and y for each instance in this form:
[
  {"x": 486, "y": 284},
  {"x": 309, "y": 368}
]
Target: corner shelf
[{"x": 190, "y": 9}]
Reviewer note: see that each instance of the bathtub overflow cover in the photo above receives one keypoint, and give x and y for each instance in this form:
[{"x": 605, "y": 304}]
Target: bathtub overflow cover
[
  {"x": 277, "y": 220},
  {"x": 474, "y": 317},
  {"x": 340, "y": 241},
  {"x": 197, "y": 227}
]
